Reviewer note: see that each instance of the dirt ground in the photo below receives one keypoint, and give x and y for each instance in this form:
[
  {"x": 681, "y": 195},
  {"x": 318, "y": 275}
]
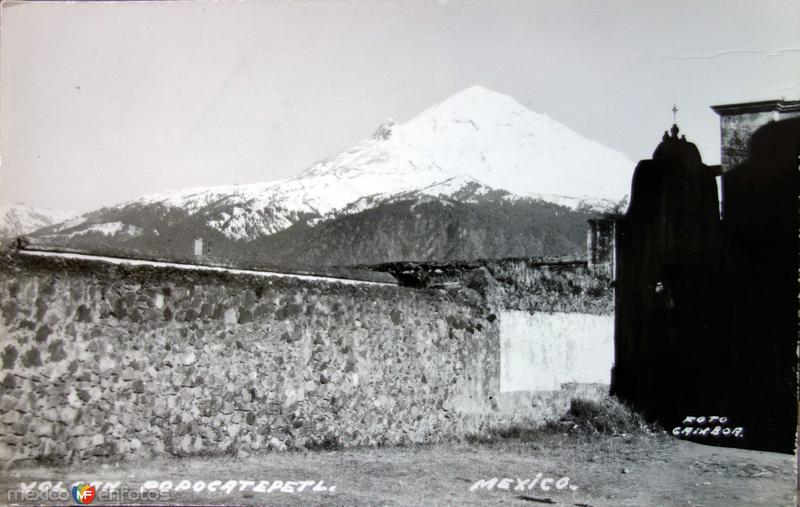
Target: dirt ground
[{"x": 643, "y": 470}]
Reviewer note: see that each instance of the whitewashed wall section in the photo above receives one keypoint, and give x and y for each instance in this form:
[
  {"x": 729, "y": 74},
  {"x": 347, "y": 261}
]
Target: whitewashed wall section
[{"x": 542, "y": 351}]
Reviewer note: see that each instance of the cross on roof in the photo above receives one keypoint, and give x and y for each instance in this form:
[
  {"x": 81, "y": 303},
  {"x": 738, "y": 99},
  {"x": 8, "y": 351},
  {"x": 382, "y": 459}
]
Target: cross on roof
[{"x": 674, "y": 113}]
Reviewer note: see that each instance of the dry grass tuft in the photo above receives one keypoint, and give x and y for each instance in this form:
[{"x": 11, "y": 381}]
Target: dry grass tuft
[
  {"x": 585, "y": 418},
  {"x": 609, "y": 417}
]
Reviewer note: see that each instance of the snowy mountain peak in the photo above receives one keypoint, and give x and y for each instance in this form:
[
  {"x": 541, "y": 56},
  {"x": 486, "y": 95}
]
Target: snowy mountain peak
[
  {"x": 474, "y": 103},
  {"x": 497, "y": 140},
  {"x": 474, "y": 139},
  {"x": 17, "y": 219}
]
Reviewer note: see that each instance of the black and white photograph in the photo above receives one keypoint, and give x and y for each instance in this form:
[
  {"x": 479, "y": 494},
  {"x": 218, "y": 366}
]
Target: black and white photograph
[{"x": 399, "y": 252}]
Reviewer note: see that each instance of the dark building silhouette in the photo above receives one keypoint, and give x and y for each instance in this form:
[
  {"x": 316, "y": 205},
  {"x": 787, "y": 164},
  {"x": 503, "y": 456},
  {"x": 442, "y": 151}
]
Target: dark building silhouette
[
  {"x": 706, "y": 305},
  {"x": 667, "y": 244},
  {"x": 760, "y": 189}
]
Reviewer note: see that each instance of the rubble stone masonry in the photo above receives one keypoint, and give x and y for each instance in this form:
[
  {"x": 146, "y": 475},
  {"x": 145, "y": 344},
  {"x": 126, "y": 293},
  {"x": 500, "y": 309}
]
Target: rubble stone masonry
[{"x": 113, "y": 361}]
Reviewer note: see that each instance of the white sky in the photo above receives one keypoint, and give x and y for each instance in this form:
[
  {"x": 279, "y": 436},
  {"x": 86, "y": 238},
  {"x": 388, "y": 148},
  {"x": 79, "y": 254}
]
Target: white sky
[{"x": 104, "y": 102}]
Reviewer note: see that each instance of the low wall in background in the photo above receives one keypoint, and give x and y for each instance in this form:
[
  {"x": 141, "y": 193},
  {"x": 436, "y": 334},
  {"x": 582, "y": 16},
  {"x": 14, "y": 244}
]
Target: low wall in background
[
  {"x": 543, "y": 351},
  {"x": 556, "y": 332},
  {"x": 530, "y": 285},
  {"x": 102, "y": 360}
]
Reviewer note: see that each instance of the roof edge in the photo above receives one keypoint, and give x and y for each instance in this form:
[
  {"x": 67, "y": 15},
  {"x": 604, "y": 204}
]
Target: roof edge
[{"x": 778, "y": 105}]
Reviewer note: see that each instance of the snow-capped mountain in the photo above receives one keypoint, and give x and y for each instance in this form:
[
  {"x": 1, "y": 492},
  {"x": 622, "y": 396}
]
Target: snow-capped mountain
[
  {"x": 489, "y": 137},
  {"x": 17, "y": 219},
  {"x": 483, "y": 135},
  {"x": 477, "y": 147}
]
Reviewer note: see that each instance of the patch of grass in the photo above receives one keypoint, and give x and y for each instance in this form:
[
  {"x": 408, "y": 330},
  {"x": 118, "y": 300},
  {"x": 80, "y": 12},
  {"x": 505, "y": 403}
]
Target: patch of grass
[
  {"x": 609, "y": 417},
  {"x": 327, "y": 443},
  {"x": 585, "y": 418}
]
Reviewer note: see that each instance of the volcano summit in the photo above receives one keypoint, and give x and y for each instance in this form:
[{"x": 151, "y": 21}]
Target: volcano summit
[{"x": 474, "y": 148}]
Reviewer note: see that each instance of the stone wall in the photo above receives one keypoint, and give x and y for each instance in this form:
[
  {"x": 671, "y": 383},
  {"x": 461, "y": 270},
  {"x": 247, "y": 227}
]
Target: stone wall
[
  {"x": 569, "y": 287},
  {"x": 526, "y": 284},
  {"x": 556, "y": 325},
  {"x": 103, "y": 360}
]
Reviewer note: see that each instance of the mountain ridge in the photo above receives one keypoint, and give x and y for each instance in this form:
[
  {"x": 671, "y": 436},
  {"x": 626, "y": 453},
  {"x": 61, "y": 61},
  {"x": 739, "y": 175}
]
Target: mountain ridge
[
  {"x": 17, "y": 219},
  {"x": 437, "y": 144},
  {"x": 478, "y": 148}
]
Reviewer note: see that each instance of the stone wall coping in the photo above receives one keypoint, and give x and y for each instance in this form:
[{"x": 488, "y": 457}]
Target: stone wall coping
[{"x": 196, "y": 267}]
